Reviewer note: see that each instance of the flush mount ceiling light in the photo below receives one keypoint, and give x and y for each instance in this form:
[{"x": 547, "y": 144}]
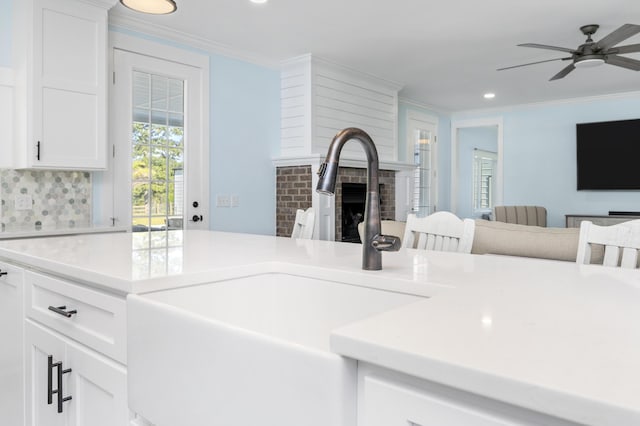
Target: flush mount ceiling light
[
  {"x": 489, "y": 95},
  {"x": 258, "y": 1},
  {"x": 589, "y": 62},
  {"x": 154, "y": 7}
]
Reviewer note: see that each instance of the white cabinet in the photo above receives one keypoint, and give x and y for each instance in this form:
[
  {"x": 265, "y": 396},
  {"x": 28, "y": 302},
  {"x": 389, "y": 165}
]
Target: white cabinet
[
  {"x": 6, "y": 117},
  {"x": 60, "y": 60},
  {"x": 69, "y": 384},
  {"x": 11, "y": 395},
  {"x": 75, "y": 354}
]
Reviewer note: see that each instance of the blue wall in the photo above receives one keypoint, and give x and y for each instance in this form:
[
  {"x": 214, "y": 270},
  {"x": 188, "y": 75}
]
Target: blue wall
[
  {"x": 540, "y": 155},
  {"x": 444, "y": 148},
  {"x": 469, "y": 139},
  {"x": 245, "y": 136}
]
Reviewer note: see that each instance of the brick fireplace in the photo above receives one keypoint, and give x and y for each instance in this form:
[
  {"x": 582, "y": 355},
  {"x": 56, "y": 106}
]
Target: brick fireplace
[{"x": 294, "y": 191}]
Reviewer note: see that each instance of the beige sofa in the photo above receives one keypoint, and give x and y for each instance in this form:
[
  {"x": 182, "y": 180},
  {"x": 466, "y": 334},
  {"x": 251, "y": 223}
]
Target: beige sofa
[{"x": 511, "y": 239}]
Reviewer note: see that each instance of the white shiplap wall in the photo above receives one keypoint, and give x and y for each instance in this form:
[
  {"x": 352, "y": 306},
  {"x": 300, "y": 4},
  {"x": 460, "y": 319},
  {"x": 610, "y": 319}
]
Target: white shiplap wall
[{"x": 319, "y": 98}]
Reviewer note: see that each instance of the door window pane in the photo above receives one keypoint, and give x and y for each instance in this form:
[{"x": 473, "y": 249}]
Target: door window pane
[{"x": 157, "y": 152}]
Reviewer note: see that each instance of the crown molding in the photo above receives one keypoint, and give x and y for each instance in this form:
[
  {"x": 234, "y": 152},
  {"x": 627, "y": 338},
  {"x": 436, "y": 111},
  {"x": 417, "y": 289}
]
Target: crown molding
[
  {"x": 120, "y": 21},
  {"x": 105, "y": 4},
  {"x": 419, "y": 104},
  {"x": 567, "y": 101}
]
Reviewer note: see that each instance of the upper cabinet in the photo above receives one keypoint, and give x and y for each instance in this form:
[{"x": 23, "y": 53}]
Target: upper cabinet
[{"x": 60, "y": 63}]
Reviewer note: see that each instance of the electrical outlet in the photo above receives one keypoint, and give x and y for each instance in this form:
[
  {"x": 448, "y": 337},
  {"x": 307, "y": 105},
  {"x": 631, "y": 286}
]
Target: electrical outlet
[
  {"x": 23, "y": 202},
  {"x": 235, "y": 200},
  {"x": 223, "y": 201}
]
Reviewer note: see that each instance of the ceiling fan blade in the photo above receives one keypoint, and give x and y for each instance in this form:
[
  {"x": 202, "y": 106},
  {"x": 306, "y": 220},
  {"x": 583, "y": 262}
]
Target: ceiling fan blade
[
  {"x": 622, "y": 33},
  {"x": 544, "y": 46},
  {"x": 566, "y": 70},
  {"x": 621, "y": 61},
  {"x": 631, "y": 48},
  {"x": 532, "y": 63}
]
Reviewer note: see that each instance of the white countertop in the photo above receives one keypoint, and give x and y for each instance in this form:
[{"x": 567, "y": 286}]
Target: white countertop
[{"x": 554, "y": 337}]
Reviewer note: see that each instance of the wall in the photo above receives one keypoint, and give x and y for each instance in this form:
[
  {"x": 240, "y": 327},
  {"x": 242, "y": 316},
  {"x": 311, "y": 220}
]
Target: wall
[
  {"x": 444, "y": 147},
  {"x": 469, "y": 139},
  {"x": 540, "y": 155},
  {"x": 245, "y": 136}
]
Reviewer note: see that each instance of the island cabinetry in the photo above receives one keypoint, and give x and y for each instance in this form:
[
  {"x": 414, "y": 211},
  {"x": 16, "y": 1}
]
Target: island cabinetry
[
  {"x": 75, "y": 354},
  {"x": 60, "y": 60},
  {"x": 388, "y": 398},
  {"x": 11, "y": 389}
]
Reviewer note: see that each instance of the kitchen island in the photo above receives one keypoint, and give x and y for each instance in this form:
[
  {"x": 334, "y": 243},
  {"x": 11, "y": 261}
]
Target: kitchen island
[{"x": 509, "y": 340}]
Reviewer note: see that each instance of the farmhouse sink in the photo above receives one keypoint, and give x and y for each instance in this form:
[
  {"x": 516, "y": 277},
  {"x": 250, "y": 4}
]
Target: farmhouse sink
[{"x": 247, "y": 351}]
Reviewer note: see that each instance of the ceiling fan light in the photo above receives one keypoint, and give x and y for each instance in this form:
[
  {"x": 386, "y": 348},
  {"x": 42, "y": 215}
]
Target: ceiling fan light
[
  {"x": 154, "y": 7},
  {"x": 589, "y": 63}
]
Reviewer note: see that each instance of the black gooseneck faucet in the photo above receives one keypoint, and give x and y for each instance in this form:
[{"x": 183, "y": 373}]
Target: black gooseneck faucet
[{"x": 374, "y": 242}]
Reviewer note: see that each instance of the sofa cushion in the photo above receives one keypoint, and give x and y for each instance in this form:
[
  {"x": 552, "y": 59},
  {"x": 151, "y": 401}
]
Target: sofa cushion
[{"x": 528, "y": 241}]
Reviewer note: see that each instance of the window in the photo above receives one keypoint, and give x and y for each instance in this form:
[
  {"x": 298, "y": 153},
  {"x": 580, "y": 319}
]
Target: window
[
  {"x": 422, "y": 203},
  {"x": 484, "y": 166},
  {"x": 157, "y": 137}
]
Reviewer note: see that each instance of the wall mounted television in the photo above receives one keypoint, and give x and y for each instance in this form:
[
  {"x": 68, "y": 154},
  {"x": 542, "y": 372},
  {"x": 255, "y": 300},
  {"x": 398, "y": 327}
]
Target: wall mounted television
[{"x": 608, "y": 155}]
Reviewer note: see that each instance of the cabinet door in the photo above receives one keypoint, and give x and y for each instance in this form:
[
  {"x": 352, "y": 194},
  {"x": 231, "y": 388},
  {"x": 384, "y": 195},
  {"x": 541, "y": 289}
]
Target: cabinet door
[
  {"x": 98, "y": 387},
  {"x": 39, "y": 345},
  {"x": 69, "y": 85},
  {"x": 11, "y": 394}
]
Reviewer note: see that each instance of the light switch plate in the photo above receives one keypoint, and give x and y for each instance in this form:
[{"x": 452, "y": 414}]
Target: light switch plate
[{"x": 223, "y": 201}]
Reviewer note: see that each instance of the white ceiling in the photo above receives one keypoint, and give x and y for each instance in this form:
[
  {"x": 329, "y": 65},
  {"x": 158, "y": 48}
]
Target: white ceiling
[{"x": 444, "y": 53}]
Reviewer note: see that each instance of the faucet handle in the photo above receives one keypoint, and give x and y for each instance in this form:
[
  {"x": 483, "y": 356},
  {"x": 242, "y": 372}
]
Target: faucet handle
[{"x": 386, "y": 243}]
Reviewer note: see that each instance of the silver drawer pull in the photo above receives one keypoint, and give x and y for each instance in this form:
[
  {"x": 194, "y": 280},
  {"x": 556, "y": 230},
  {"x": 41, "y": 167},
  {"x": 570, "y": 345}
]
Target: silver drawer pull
[{"x": 62, "y": 311}]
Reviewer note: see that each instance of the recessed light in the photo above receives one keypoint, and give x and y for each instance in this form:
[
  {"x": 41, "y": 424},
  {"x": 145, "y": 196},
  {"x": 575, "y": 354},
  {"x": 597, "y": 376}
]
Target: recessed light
[
  {"x": 489, "y": 95},
  {"x": 258, "y": 1}
]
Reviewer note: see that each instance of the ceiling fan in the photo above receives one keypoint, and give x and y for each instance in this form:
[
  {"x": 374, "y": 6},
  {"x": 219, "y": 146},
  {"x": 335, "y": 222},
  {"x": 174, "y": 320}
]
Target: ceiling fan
[{"x": 592, "y": 53}]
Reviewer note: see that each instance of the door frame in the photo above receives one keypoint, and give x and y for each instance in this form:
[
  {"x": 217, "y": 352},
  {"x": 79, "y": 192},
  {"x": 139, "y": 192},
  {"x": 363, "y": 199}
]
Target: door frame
[
  {"x": 111, "y": 183},
  {"x": 404, "y": 190},
  {"x": 481, "y": 122}
]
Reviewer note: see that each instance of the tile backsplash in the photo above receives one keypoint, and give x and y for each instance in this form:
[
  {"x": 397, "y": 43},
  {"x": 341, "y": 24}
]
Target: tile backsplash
[{"x": 53, "y": 199}]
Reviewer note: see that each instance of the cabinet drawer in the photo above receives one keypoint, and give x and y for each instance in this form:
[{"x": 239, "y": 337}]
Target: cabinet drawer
[
  {"x": 389, "y": 404},
  {"x": 99, "y": 320},
  {"x": 13, "y": 275}
]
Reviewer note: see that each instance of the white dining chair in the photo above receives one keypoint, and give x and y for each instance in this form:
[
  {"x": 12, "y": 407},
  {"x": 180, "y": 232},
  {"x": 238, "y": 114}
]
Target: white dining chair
[
  {"x": 621, "y": 243},
  {"x": 440, "y": 231},
  {"x": 304, "y": 224}
]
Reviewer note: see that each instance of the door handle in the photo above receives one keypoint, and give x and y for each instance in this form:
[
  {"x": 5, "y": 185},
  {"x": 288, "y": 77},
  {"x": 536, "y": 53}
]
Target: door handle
[
  {"x": 3, "y": 272},
  {"x": 196, "y": 218}
]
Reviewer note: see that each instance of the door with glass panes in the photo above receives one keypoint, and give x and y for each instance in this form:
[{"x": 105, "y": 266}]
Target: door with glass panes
[{"x": 160, "y": 158}]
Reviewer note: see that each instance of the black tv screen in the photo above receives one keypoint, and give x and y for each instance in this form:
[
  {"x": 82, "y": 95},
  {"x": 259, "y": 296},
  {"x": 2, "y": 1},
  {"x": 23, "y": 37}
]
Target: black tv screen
[{"x": 608, "y": 155}]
